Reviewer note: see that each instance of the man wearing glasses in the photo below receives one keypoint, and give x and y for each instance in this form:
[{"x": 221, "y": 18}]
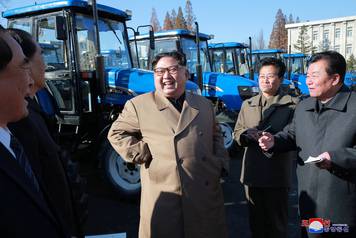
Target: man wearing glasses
[
  {"x": 173, "y": 135},
  {"x": 266, "y": 178}
]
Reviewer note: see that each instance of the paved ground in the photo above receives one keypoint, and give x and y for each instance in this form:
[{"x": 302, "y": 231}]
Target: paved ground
[{"x": 108, "y": 213}]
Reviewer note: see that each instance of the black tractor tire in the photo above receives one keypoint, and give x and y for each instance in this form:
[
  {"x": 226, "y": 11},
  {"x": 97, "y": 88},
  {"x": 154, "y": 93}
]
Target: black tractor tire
[{"x": 123, "y": 177}]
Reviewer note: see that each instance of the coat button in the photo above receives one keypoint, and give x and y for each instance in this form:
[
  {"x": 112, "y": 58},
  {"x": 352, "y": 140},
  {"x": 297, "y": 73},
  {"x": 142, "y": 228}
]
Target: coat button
[
  {"x": 200, "y": 133},
  {"x": 180, "y": 161},
  {"x": 130, "y": 155},
  {"x": 120, "y": 143}
]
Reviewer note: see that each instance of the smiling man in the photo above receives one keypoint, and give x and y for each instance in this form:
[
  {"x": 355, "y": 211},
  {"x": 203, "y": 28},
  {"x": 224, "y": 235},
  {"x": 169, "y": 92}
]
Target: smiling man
[
  {"x": 173, "y": 135},
  {"x": 24, "y": 211},
  {"x": 266, "y": 180},
  {"x": 324, "y": 127}
]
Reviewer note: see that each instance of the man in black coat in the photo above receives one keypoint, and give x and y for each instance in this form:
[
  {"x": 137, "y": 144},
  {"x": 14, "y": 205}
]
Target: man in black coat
[
  {"x": 24, "y": 209},
  {"x": 324, "y": 127}
]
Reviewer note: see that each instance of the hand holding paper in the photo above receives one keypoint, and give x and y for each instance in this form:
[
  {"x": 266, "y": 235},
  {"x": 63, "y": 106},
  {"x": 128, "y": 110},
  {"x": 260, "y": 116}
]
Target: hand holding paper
[
  {"x": 323, "y": 161},
  {"x": 313, "y": 160}
]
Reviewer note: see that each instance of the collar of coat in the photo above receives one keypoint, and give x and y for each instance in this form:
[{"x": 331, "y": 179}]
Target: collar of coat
[
  {"x": 278, "y": 100},
  {"x": 162, "y": 102},
  {"x": 338, "y": 102}
]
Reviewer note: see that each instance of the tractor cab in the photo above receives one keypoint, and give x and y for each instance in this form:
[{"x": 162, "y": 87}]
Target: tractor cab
[{"x": 229, "y": 57}]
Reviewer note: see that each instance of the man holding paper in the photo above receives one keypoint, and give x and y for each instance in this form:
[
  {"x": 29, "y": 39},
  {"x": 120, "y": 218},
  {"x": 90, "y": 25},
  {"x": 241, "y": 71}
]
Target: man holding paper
[
  {"x": 323, "y": 127},
  {"x": 266, "y": 180}
]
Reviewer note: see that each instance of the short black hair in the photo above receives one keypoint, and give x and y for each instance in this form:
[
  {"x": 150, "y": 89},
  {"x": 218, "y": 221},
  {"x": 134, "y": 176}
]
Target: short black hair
[
  {"x": 5, "y": 50},
  {"x": 25, "y": 40},
  {"x": 180, "y": 57},
  {"x": 336, "y": 62},
  {"x": 278, "y": 63}
]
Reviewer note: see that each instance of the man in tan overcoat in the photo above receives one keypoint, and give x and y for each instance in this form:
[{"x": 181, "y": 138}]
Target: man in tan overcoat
[
  {"x": 266, "y": 179},
  {"x": 173, "y": 135}
]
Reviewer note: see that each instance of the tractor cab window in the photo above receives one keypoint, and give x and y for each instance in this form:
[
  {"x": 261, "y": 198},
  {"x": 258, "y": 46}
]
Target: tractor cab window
[
  {"x": 297, "y": 66},
  {"x": 189, "y": 48},
  {"x": 113, "y": 46},
  {"x": 218, "y": 59},
  {"x": 145, "y": 54},
  {"x": 23, "y": 24},
  {"x": 58, "y": 78}
]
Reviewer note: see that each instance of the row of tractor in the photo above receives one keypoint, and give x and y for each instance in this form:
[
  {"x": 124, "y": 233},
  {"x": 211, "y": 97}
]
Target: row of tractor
[{"x": 94, "y": 66}]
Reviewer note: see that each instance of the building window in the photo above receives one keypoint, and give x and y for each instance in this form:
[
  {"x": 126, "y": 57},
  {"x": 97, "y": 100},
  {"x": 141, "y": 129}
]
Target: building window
[
  {"x": 337, "y": 33},
  {"x": 315, "y": 35},
  {"x": 349, "y": 31},
  {"x": 326, "y": 35},
  {"x": 337, "y": 48},
  {"x": 348, "y": 49}
]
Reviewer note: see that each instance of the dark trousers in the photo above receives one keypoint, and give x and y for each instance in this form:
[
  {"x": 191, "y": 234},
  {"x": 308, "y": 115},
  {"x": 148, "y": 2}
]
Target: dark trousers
[{"x": 268, "y": 211}]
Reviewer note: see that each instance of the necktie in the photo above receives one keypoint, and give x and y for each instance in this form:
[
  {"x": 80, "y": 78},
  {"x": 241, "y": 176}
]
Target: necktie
[{"x": 23, "y": 162}]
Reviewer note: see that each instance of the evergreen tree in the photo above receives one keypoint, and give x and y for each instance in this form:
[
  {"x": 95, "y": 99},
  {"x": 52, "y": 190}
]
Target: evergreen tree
[
  {"x": 189, "y": 15},
  {"x": 290, "y": 19},
  {"x": 180, "y": 21},
  {"x": 279, "y": 35},
  {"x": 304, "y": 44},
  {"x": 167, "y": 25},
  {"x": 351, "y": 63},
  {"x": 173, "y": 18},
  {"x": 154, "y": 21}
]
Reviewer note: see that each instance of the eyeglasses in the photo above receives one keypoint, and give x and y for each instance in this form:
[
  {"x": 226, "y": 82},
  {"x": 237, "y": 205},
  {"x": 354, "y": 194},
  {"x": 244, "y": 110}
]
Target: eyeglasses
[
  {"x": 172, "y": 70},
  {"x": 267, "y": 76}
]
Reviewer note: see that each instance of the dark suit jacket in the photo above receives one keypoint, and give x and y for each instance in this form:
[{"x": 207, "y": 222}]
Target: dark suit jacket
[
  {"x": 23, "y": 213},
  {"x": 43, "y": 154}
]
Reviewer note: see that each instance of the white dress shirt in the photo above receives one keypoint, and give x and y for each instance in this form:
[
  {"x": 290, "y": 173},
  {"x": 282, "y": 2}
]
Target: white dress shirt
[{"x": 5, "y": 137}]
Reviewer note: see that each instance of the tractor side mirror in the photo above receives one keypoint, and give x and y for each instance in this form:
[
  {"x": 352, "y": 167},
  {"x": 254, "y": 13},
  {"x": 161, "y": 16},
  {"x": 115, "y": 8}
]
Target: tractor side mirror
[
  {"x": 61, "y": 33},
  {"x": 242, "y": 59},
  {"x": 152, "y": 40}
]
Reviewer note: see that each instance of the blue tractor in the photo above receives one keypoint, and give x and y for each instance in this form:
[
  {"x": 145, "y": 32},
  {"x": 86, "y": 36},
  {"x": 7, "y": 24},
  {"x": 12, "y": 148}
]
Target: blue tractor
[
  {"x": 230, "y": 57},
  {"x": 296, "y": 70},
  {"x": 226, "y": 91},
  {"x": 89, "y": 72},
  {"x": 257, "y": 55}
]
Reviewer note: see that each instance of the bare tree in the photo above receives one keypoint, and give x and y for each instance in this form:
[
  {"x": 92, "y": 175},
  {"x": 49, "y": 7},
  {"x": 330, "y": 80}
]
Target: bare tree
[
  {"x": 154, "y": 21},
  {"x": 189, "y": 15},
  {"x": 168, "y": 25},
  {"x": 173, "y": 18},
  {"x": 279, "y": 35},
  {"x": 260, "y": 41},
  {"x": 180, "y": 20}
]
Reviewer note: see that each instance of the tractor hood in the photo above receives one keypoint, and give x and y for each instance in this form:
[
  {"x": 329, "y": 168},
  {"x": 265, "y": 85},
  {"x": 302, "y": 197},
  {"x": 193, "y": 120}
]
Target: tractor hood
[
  {"x": 126, "y": 83},
  {"x": 231, "y": 89}
]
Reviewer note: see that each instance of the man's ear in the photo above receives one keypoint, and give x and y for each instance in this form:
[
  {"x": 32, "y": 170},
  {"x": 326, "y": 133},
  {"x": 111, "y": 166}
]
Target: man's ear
[
  {"x": 336, "y": 79},
  {"x": 187, "y": 74}
]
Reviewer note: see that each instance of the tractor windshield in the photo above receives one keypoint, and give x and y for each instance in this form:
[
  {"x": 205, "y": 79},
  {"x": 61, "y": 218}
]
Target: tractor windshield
[
  {"x": 113, "y": 45},
  {"x": 189, "y": 48}
]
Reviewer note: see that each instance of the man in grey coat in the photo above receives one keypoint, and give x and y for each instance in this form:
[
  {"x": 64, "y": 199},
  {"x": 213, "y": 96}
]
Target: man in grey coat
[
  {"x": 266, "y": 180},
  {"x": 324, "y": 130}
]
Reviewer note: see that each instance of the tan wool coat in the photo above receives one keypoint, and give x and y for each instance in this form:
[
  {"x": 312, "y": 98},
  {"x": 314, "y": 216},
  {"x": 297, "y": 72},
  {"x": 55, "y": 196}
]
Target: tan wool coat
[
  {"x": 181, "y": 157},
  {"x": 257, "y": 169}
]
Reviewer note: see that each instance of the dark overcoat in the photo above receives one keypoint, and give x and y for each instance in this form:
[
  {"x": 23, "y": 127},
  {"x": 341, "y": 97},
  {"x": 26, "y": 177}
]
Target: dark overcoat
[{"x": 328, "y": 194}]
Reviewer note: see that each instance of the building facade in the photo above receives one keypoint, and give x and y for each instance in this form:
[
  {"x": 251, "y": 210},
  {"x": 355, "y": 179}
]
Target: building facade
[{"x": 337, "y": 34}]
